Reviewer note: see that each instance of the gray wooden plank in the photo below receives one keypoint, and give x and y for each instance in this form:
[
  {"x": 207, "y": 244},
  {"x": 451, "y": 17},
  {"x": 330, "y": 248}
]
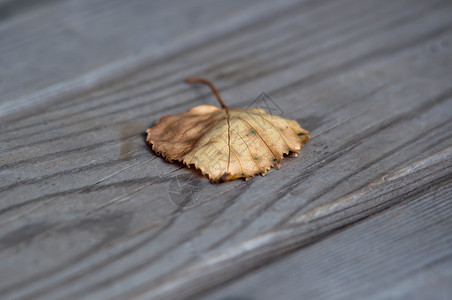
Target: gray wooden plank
[
  {"x": 58, "y": 49},
  {"x": 402, "y": 253},
  {"x": 85, "y": 204}
]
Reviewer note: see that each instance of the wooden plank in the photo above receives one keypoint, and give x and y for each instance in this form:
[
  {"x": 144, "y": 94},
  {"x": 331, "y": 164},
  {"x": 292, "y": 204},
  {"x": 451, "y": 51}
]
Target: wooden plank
[
  {"x": 60, "y": 49},
  {"x": 402, "y": 253},
  {"x": 85, "y": 210}
]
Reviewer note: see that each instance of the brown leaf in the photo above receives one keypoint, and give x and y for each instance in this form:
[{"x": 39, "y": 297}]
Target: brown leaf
[{"x": 225, "y": 143}]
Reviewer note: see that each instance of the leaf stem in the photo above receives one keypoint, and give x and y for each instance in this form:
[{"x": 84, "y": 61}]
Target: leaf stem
[{"x": 207, "y": 82}]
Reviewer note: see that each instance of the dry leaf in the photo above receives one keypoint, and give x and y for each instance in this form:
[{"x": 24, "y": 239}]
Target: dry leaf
[{"x": 225, "y": 143}]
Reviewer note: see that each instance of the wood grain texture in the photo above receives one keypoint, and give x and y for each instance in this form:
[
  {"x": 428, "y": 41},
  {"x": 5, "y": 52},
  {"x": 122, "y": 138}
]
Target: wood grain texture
[
  {"x": 85, "y": 210},
  {"x": 367, "y": 260}
]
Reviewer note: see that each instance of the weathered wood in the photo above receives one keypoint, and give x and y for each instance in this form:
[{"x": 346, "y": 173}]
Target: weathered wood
[
  {"x": 85, "y": 209},
  {"x": 64, "y": 48},
  {"x": 368, "y": 260}
]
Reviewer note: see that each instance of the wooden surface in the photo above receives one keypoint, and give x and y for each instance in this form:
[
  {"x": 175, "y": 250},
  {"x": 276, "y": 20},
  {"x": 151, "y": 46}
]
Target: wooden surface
[{"x": 87, "y": 210}]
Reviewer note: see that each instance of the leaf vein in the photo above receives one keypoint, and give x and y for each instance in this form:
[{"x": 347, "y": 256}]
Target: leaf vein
[{"x": 259, "y": 136}]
